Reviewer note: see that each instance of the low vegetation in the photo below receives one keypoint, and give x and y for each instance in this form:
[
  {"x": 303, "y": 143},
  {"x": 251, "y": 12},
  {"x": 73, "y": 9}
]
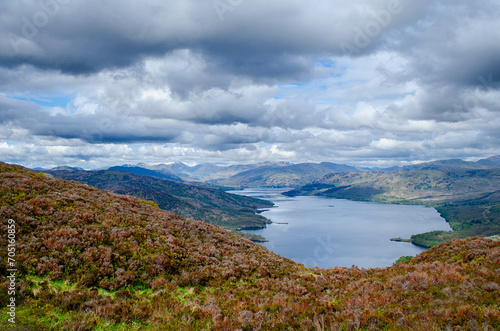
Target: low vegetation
[{"x": 89, "y": 259}]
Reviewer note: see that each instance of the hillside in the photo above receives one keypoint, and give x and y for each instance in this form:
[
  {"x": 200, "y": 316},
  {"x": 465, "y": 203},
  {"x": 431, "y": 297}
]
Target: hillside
[
  {"x": 204, "y": 204},
  {"x": 424, "y": 184},
  {"x": 493, "y": 161},
  {"x": 88, "y": 259},
  {"x": 467, "y": 196},
  {"x": 469, "y": 218},
  {"x": 452, "y": 163},
  {"x": 285, "y": 176},
  {"x": 164, "y": 174}
]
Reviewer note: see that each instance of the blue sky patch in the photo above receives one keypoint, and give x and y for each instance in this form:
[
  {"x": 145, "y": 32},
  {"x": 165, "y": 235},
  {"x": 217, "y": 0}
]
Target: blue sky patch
[{"x": 57, "y": 101}]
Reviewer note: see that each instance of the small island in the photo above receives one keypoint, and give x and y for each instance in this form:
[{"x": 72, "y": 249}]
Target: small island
[{"x": 402, "y": 240}]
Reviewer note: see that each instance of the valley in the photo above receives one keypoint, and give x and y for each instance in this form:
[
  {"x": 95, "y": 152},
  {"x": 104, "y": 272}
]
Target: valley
[
  {"x": 233, "y": 165},
  {"x": 465, "y": 193}
]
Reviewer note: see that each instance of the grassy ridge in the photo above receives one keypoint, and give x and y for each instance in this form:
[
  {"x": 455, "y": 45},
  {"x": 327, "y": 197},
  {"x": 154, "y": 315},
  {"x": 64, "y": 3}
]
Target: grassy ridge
[{"x": 89, "y": 259}]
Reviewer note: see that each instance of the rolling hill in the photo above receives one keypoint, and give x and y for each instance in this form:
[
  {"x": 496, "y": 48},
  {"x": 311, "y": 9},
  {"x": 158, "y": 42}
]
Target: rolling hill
[
  {"x": 168, "y": 175},
  {"x": 285, "y": 176},
  {"x": 424, "y": 184},
  {"x": 205, "y": 204},
  {"x": 88, "y": 259}
]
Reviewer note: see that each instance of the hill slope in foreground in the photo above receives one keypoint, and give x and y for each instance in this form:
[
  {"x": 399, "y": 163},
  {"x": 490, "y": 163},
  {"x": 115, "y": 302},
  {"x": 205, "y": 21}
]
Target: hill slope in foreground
[
  {"x": 90, "y": 259},
  {"x": 212, "y": 206}
]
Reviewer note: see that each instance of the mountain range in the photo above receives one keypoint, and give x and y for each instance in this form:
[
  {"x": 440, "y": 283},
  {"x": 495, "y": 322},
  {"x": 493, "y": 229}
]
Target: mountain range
[
  {"x": 208, "y": 172},
  {"x": 279, "y": 174},
  {"x": 264, "y": 174},
  {"x": 283, "y": 176},
  {"x": 434, "y": 183}
]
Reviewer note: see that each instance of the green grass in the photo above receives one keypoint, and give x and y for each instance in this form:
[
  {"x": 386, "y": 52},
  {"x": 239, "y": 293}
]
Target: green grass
[{"x": 403, "y": 259}]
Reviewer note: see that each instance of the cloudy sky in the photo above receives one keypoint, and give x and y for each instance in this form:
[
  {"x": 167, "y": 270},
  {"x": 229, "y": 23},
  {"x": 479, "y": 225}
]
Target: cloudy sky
[{"x": 368, "y": 82}]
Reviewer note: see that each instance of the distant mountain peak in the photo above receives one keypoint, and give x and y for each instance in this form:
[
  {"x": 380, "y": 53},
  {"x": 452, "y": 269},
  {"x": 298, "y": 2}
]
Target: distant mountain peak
[
  {"x": 67, "y": 168},
  {"x": 490, "y": 161}
]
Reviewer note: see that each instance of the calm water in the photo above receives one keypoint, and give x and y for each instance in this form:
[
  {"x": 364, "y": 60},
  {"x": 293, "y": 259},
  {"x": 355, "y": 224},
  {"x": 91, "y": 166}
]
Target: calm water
[{"x": 327, "y": 232}]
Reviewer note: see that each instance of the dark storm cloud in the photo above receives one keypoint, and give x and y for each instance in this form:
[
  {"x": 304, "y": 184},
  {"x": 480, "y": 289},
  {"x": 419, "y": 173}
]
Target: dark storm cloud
[
  {"x": 454, "y": 44},
  {"x": 88, "y": 36},
  {"x": 257, "y": 39},
  {"x": 272, "y": 41}
]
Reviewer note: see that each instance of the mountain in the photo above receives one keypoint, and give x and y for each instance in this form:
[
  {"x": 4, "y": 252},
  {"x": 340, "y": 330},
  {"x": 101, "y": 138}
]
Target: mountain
[
  {"x": 263, "y": 174},
  {"x": 210, "y": 172},
  {"x": 379, "y": 168},
  {"x": 210, "y": 205},
  {"x": 88, "y": 259},
  {"x": 443, "y": 164},
  {"x": 493, "y": 161},
  {"x": 284, "y": 176},
  {"x": 146, "y": 172},
  {"x": 67, "y": 168},
  {"x": 488, "y": 163}
]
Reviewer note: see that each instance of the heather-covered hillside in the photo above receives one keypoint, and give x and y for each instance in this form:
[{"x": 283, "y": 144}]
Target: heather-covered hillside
[
  {"x": 88, "y": 259},
  {"x": 201, "y": 203}
]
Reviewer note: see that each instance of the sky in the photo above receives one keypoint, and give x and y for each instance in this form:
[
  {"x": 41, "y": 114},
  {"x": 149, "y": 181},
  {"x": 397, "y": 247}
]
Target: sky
[{"x": 97, "y": 83}]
